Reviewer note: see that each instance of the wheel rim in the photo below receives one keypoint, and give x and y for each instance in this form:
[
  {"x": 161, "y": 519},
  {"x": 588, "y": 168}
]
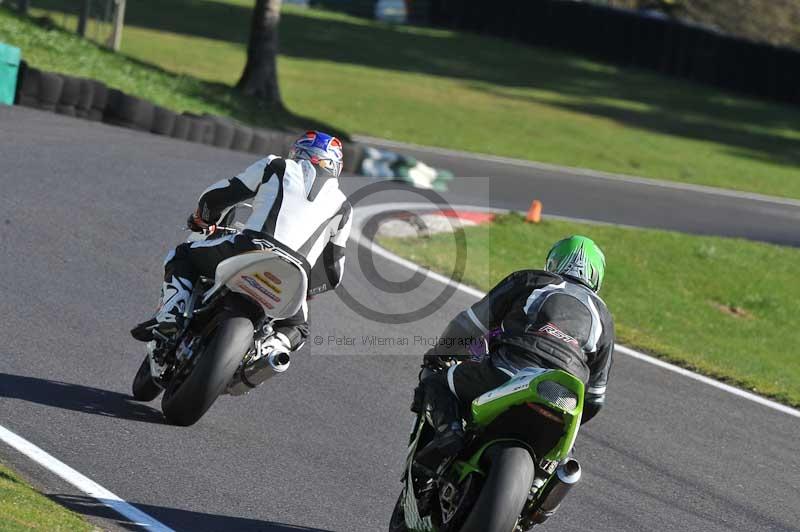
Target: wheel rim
[
  {"x": 453, "y": 500},
  {"x": 185, "y": 369}
]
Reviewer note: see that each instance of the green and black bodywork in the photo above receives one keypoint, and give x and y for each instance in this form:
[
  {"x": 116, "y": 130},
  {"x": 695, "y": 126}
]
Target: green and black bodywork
[{"x": 514, "y": 471}]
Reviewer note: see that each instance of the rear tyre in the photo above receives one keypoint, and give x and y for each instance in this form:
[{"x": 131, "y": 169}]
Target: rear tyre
[
  {"x": 144, "y": 389},
  {"x": 504, "y": 493},
  {"x": 192, "y": 392}
]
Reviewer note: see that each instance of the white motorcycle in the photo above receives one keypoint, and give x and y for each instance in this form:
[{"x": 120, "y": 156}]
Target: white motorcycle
[{"x": 223, "y": 346}]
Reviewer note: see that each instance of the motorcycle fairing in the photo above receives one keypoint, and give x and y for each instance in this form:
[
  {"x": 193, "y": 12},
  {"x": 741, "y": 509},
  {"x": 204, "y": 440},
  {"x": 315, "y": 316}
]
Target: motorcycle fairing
[
  {"x": 268, "y": 277},
  {"x": 523, "y": 388}
]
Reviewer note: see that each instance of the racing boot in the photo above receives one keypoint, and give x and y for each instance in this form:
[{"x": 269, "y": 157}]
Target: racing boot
[
  {"x": 448, "y": 441},
  {"x": 441, "y": 408},
  {"x": 168, "y": 320}
]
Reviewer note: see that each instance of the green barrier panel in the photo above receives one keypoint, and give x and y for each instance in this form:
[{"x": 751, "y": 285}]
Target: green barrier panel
[{"x": 9, "y": 68}]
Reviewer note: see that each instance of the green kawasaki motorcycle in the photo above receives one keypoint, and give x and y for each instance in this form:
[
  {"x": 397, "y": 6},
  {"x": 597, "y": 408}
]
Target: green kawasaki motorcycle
[{"x": 516, "y": 468}]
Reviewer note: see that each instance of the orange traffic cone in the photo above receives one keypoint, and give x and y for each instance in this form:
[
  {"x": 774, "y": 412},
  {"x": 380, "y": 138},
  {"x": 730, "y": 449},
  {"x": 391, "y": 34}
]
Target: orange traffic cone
[{"x": 534, "y": 212}]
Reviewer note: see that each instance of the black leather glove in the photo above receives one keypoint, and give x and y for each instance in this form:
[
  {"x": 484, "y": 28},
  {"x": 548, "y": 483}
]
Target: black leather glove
[
  {"x": 196, "y": 224},
  {"x": 435, "y": 362}
]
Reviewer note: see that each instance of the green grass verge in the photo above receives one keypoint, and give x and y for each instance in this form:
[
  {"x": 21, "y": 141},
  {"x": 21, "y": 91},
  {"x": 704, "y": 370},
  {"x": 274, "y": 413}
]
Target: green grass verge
[
  {"x": 22, "y": 509},
  {"x": 724, "y": 307},
  {"x": 449, "y": 89},
  {"x": 60, "y": 51}
]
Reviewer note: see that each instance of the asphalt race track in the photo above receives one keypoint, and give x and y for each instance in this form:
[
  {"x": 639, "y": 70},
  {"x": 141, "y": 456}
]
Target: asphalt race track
[
  {"x": 645, "y": 204},
  {"x": 87, "y": 211}
]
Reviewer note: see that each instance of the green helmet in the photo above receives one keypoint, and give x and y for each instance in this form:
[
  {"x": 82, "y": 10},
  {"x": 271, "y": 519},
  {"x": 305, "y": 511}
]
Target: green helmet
[{"x": 580, "y": 258}]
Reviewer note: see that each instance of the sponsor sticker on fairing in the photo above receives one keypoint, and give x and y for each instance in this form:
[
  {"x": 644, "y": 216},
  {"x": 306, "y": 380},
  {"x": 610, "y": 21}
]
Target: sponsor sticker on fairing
[
  {"x": 258, "y": 286},
  {"x": 255, "y": 295},
  {"x": 267, "y": 282},
  {"x": 272, "y": 277}
]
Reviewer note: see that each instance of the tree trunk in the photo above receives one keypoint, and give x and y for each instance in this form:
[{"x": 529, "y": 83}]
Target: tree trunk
[
  {"x": 83, "y": 18},
  {"x": 22, "y": 6},
  {"x": 260, "y": 76}
]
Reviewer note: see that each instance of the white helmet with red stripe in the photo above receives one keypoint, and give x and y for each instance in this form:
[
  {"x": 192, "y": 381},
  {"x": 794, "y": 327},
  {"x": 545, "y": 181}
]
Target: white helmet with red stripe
[{"x": 320, "y": 149}]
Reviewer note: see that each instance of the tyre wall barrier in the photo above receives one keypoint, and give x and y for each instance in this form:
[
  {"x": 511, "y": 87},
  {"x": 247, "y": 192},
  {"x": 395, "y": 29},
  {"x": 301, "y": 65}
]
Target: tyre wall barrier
[
  {"x": 93, "y": 100},
  {"x": 353, "y": 157},
  {"x": 50, "y": 86},
  {"x": 129, "y": 111},
  {"x": 182, "y": 126},
  {"x": 85, "y": 98},
  {"x": 70, "y": 93},
  {"x": 223, "y": 131},
  {"x": 259, "y": 143},
  {"x": 242, "y": 138},
  {"x": 163, "y": 121},
  {"x": 99, "y": 101},
  {"x": 200, "y": 129},
  {"x": 28, "y": 86}
]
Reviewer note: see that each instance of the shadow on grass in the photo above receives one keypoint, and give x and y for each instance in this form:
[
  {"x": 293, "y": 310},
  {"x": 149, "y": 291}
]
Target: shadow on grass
[
  {"x": 754, "y": 143},
  {"x": 638, "y": 99},
  {"x": 245, "y": 109},
  {"x": 9, "y": 478},
  {"x": 76, "y": 397},
  {"x": 201, "y": 18},
  {"x": 175, "y": 518}
]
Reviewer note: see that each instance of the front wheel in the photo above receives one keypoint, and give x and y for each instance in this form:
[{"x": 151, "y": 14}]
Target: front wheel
[
  {"x": 144, "y": 388},
  {"x": 398, "y": 521},
  {"x": 504, "y": 492},
  {"x": 192, "y": 392}
]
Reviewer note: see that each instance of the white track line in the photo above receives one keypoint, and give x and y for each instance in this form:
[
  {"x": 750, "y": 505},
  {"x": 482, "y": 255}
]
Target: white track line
[
  {"x": 584, "y": 172},
  {"x": 362, "y": 214},
  {"x": 84, "y": 484}
]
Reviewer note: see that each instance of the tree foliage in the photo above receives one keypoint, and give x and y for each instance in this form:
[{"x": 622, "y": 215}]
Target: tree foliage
[{"x": 773, "y": 21}]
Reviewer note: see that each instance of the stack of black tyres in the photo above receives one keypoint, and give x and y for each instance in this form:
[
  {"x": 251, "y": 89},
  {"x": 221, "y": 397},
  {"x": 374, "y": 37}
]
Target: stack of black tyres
[
  {"x": 129, "y": 111},
  {"x": 70, "y": 94},
  {"x": 92, "y": 100},
  {"x": 228, "y": 134},
  {"x": 83, "y": 107},
  {"x": 99, "y": 101},
  {"x": 259, "y": 143},
  {"x": 222, "y": 131},
  {"x": 67, "y": 95},
  {"x": 27, "y": 86},
  {"x": 183, "y": 124},
  {"x": 200, "y": 129},
  {"x": 242, "y": 138},
  {"x": 163, "y": 121}
]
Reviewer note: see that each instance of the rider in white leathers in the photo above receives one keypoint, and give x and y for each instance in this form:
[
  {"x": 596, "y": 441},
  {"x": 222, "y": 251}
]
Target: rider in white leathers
[{"x": 297, "y": 206}]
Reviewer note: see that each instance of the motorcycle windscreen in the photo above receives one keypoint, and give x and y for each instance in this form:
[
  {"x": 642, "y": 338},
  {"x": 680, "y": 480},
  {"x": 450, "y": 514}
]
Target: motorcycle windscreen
[{"x": 276, "y": 284}]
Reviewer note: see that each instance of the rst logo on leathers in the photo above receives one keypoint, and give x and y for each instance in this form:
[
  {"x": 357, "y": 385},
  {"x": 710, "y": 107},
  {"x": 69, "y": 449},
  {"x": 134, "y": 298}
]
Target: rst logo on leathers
[{"x": 551, "y": 330}]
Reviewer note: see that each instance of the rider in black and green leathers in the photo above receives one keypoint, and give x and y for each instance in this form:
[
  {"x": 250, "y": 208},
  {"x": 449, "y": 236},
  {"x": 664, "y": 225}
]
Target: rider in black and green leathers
[{"x": 550, "y": 318}]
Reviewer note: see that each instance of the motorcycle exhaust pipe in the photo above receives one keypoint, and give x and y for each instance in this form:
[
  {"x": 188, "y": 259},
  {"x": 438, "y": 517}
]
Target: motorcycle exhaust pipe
[
  {"x": 566, "y": 476},
  {"x": 258, "y": 371}
]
